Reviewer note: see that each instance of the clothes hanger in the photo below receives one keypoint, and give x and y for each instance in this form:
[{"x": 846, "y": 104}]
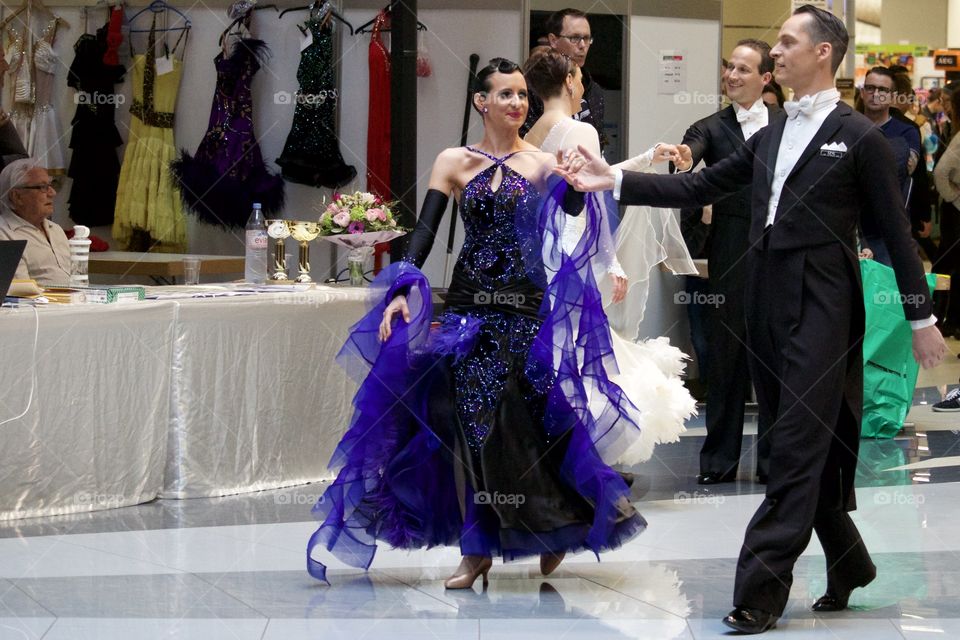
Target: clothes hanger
[
  {"x": 33, "y": 4},
  {"x": 39, "y": 5},
  {"x": 322, "y": 10},
  {"x": 159, "y": 6},
  {"x": 106, "y": 4},
  {"x": 13, "y": 15},
  {"x": 244, "y": 22},
  {"x": 365, "y": 27}
]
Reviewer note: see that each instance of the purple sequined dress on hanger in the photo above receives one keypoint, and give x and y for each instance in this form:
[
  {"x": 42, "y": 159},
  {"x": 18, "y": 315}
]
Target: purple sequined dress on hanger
[
  {"x": 220, "y": 183},
  {"x": 477, "y": 431}
]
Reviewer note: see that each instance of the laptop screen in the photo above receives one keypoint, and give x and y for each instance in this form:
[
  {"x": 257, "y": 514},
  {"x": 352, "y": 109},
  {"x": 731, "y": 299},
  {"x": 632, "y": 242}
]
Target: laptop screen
[{"x": 10, "y": 253}]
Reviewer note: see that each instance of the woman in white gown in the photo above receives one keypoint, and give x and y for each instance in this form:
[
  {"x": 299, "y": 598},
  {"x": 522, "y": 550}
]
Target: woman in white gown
[{"x": 649, "y": 370}]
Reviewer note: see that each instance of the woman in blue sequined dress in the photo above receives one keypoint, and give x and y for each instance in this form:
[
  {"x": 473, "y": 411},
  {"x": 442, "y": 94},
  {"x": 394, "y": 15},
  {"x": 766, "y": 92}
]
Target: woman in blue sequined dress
[{"x": 477, "y": 431}]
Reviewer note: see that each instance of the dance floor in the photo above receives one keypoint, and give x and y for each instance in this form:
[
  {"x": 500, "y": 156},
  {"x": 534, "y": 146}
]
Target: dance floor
[{"x": 233, "y": 567}]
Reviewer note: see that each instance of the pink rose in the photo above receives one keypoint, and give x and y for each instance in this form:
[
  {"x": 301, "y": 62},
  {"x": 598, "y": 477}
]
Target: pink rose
[
  {"x": 333, "y": 209},
  {"x": 342, "y": 218},
  {"x": 374, "y": 214}
]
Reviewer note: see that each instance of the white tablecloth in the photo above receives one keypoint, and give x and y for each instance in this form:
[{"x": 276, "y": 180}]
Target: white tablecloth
[
  {"x": 258, "y": 401},
  {"x": 95, "y": 434},
  {"x": 178, "y": 399}
]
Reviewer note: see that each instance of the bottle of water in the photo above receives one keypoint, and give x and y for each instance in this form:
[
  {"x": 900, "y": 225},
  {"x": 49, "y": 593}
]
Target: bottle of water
[
  {"x": 79, "y": 256},
  {"x": 255, "y": 264}
]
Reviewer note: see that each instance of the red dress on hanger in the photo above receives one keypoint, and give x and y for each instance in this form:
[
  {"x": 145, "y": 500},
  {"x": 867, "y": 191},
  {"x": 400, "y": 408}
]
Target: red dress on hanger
[
  {"x": 378, "y": 127},
  {"x": 378, "y": 123}
]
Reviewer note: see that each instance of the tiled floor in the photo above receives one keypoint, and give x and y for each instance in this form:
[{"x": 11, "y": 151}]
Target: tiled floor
[{"x": 233, "y": 567}]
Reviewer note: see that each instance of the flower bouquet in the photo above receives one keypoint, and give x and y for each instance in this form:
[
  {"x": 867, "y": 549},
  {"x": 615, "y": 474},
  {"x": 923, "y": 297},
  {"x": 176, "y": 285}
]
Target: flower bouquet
[{"x": 358, "y": 221}]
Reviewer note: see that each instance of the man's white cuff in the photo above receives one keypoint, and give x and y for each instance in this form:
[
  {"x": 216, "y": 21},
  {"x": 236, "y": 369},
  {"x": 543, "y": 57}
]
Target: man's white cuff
[
  {"x": 617, "y": 181},
  {"x": 923, "y": 324}
]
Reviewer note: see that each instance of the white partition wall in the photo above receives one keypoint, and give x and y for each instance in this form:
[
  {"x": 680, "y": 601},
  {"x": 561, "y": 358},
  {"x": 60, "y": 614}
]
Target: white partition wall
[{"x": 654, "y": 118}]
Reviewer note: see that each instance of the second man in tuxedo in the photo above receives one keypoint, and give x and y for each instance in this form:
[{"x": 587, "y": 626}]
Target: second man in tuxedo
[{"x": 712, "y": 139}]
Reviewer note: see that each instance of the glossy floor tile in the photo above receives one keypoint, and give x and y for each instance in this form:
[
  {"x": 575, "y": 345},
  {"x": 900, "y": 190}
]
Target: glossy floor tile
[{"x": 233, "y": 567}]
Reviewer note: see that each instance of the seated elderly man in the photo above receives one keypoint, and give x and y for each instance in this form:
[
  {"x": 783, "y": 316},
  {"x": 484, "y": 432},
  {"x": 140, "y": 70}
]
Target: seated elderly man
[{"x": 26, "y": 204}]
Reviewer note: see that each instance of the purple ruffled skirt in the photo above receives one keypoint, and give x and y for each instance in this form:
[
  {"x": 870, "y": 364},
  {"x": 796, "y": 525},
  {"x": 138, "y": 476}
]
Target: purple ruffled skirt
[{"x": 466, "y": 432}]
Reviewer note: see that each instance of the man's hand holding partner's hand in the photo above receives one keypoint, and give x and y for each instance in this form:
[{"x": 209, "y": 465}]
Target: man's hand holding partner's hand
[{"x": 585, "y": 171}]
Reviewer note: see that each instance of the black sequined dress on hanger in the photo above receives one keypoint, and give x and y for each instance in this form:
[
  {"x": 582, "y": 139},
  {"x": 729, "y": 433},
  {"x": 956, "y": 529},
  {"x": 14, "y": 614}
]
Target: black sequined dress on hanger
[{"x": 311, "y": 154}]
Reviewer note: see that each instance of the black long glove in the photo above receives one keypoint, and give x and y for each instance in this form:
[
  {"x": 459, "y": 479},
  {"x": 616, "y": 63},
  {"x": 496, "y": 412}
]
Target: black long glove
[
  {"x": 572, "y": 201},
  {"x": 425, "y": 231}
]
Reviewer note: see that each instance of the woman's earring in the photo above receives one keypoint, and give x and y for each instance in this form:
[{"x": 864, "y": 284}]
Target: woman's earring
[{"x": 485, "y": 110}]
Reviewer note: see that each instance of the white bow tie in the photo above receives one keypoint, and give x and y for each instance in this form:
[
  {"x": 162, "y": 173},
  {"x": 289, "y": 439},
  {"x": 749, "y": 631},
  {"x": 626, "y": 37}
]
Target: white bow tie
[
  {"x": 750, "y": 115},
  {"x": 806, "y": 105}
]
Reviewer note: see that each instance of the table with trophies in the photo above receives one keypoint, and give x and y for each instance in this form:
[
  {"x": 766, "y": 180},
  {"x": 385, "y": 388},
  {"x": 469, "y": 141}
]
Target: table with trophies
[
  {"x": 259, "y": 402},
  {"x": 202, "y": 391}
]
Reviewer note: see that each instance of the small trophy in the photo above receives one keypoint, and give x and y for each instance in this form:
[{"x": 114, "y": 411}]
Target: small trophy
[
  {"x": 279, "y": 230},
  {"x": 304, "y": 232}
]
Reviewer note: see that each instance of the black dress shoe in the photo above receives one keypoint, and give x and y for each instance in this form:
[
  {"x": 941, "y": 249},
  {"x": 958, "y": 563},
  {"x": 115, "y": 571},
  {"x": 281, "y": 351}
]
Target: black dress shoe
[
  {"x": 829, "y": 602},
  {"x": 750, "y": 620},
  {"x": 836, "y": 599},
  {"x": 715, "y": 477}
]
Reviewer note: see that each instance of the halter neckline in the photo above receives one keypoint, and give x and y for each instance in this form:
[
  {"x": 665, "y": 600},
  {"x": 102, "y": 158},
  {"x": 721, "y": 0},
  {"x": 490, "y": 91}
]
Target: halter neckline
[{"x": 497, "y": 161}]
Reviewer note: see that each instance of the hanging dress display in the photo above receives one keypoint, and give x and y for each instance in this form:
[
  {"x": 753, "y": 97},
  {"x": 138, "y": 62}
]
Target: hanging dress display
[
  {"x": 20, "y": 84},
  {"x": 220, "y": 183},
  {"x": 148, "y": 214},
  {"x": 311, "y": 154},
  {"x": 11, "y": 146},
  {"x": 44, "y": 138},
  {"x": 378, "y": 127},
  {"x": 113, "y": 37},
  {"x": 94, "y": 164}
]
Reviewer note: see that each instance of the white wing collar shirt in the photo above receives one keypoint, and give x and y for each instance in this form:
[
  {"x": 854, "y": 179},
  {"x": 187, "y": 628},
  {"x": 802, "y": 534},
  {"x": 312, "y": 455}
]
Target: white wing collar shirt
[
  {"x": 753, "y": 119},
  {"x": 804, "y": 119}
]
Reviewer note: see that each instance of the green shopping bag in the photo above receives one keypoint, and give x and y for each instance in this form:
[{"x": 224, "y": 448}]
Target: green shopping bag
[{"x": 889, "y": 370}]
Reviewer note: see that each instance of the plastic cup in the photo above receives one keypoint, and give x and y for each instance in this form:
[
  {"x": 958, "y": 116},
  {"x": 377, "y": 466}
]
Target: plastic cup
[{"x": 191, "y": 270}]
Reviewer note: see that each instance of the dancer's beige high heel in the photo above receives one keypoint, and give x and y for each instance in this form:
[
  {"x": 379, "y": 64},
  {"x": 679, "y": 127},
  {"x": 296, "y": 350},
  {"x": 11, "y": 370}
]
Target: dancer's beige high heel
[
  {"x": 471, "y": 567},
  {"x": 550, "y": 561}
]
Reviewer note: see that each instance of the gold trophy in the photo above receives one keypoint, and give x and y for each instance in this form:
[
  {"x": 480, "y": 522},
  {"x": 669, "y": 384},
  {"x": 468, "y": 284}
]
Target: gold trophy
[
  {"x": 304, "y": 233},
  {"x": 279, "y": 230}
]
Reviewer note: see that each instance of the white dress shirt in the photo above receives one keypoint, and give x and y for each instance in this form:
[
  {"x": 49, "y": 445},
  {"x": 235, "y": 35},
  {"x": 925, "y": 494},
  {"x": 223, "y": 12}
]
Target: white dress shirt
[
  {"x": 753, "y": 119},
  {"x": 799, "y": 130}
]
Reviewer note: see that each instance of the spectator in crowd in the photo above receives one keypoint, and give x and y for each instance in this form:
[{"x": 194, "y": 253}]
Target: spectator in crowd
[
  {"x": 946, "y": 176},
  {"x": 568, "y": 31},
  {"x": 773, "y": 94},
  {"x": 877, "y": 99}
]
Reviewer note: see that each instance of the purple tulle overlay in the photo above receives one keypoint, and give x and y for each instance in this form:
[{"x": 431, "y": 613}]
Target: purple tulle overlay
[{"x": 400, "y": 464}]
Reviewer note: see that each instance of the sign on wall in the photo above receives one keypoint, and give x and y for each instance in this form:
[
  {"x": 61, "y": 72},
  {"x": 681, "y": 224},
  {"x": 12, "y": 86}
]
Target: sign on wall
[{"x": 672, "y": 72}]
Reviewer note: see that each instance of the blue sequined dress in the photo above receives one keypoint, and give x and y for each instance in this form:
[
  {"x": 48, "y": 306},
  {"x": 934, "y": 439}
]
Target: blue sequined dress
[{"x": 476, "y": 430}]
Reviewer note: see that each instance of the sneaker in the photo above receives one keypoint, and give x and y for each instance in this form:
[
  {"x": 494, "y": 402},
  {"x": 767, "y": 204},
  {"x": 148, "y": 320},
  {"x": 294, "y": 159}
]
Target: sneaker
[{"x": 950, "y": 403}]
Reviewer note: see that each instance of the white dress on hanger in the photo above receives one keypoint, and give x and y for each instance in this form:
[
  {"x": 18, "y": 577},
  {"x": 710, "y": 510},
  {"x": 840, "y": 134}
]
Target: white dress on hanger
[
  {"x": 650, "y": 370},
  {"x": 20, "y": 84},
  {"x": 44, "y": 138}
]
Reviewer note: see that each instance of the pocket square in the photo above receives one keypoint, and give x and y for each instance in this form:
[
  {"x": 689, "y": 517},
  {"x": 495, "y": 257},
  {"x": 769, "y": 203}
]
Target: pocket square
[
  {"x": 834, "y": 146},
  {"x": 833, "y": 149}
]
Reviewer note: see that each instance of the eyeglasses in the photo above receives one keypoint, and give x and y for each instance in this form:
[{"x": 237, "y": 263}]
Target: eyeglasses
[
  {"x": 587, "y": 40},
  {"x": 46, "y": 186},
  {"x": 872, "y": 88}
]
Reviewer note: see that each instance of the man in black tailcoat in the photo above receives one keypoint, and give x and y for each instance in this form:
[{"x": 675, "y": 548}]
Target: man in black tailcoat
[
  {"x": 815, "y": 171},
  {"x": 712, "y": 139}
]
